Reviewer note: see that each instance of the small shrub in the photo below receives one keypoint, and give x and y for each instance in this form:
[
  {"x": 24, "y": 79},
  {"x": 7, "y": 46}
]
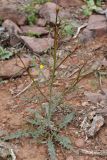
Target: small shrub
[
  {"x": 46, "y": 125},
  {"x": 32, "y": 13},
  {"x": 5, "y": 54},
  {"x": 67, "y": 29},
  {"x": 90, "y": 7}
]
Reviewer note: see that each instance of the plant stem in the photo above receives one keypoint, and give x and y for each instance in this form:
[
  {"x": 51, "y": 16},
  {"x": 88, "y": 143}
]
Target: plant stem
[{"x": 54, "y": 63}]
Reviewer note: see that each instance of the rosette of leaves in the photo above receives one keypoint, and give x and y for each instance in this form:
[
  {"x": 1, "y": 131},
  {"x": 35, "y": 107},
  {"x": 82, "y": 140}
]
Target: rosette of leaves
[
  {"x": 46, "y": 131},
  {"x": 5, "y": 54}
]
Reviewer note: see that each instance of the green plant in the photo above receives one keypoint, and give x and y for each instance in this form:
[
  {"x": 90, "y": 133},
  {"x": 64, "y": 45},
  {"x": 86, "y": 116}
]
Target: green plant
[
  {"x": 91, "y": 6},
  {"x": 5, "y": 54},
  {"x": 68, "y": 30},
  {"x": 33, "y": 34},
  {"x": 32, "y": 13},
  {"x": 44, "y": 121},
  {"x": 41, "y": 1},
  {"x": 47, "y": 130}
]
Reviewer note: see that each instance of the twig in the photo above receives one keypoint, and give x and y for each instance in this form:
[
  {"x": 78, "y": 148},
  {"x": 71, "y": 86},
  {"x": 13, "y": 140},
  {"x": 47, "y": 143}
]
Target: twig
[
  {"x": 27, "y": 87},
  {"x": 102, "y": 153},
  {"x": 78, "y": 30},
  {"x": 71, "y": 52},
  {"x": 12, "y": 154},
  {"x": 37, "y": 87}
]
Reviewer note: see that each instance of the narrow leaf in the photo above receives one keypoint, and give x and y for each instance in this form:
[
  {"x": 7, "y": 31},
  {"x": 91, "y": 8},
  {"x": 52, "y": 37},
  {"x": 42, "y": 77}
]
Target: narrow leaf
[
  {"x": 63, "y": 140},
  {"x": 38, "y": 132},
  {"x": 16, "y": 135},
  {"x": 67, "y": 119},
  {"x": 51, "y": 150}
]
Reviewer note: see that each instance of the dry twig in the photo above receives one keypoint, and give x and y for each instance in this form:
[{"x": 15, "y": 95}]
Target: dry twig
[{"x": 102, "y": 153}]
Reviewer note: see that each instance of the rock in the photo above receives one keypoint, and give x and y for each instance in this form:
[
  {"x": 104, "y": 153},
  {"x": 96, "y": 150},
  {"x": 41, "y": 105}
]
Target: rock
[
  {"x": 5, "y": 151},
  {"x": 34, "y": 30},
  {"x": 13, "y": 31},
  {"x": 12, "y": 14},
  {"x": 97, "y": 26},
  {"x": 68, "y": 3},
  {"x": 41, "y": 22},
  {"x": 13, "y": 67},
  {"x": 48, "y": 12},
  {"x": 94, "y": 97},
  {"x": 38, "y": 45},
  {"x": 70, "y": 157},
  {"x": 64, "y": 14},
  {"x": 97, "y": 123},
  {"x": 79, "y": 142},
  {"x": 11, "y": 27},
  {"x": 14, "y": 40}
]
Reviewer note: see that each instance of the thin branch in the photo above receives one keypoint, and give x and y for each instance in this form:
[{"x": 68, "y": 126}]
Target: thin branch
[
  {"x": 102, "y": 153},
  {"x": 26, "y": 88},
  {"x": 38, "y": 88},
  {"x": 72, "y": 52}
]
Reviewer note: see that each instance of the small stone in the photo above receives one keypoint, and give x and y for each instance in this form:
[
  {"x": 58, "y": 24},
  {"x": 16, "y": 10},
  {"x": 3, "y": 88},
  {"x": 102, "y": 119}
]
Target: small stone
[
  {"x": 13, "y": 14},
  {"x": 38, "y": 45},
  {"x": 91, "y": 115},
  {"x": 70, "y": 157},
  {"x": 79, "y": 142},
  {"x": 84, "y": 104},
  {"x": 97, "y": 123},
  {"x": 34, "y": 30},
  {"x": 13, "y": 68},
  {"x": 97, "y": 26},
  {"x": 11, "y": 27},
  {"x": 48, "y": 12}
]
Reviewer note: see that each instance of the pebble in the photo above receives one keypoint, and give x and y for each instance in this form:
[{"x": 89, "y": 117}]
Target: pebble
[{"x": 79, "y": 142}]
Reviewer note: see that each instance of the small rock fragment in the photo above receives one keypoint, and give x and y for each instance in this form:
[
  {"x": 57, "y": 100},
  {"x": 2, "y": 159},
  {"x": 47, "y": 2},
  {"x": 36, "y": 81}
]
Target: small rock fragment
[
  {"x": 34, "y": 30},
  {"x": 38, "y": 45},
  {"x": 97, "y": 26},
  {"x": 94, "y": 97},
  {"x": 97, "y": 123},
  {"x": 13, "y": 14},
  {"x": 13, "y": 67},
  {"x": 79, "y": 142},
  {"x": 11, "y": 27},
  {"x": 48, "y": 12}
]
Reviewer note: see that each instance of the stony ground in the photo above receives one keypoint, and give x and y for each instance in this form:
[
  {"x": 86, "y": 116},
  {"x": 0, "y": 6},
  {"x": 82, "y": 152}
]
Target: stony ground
[{"x": 88, "y": 99}]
